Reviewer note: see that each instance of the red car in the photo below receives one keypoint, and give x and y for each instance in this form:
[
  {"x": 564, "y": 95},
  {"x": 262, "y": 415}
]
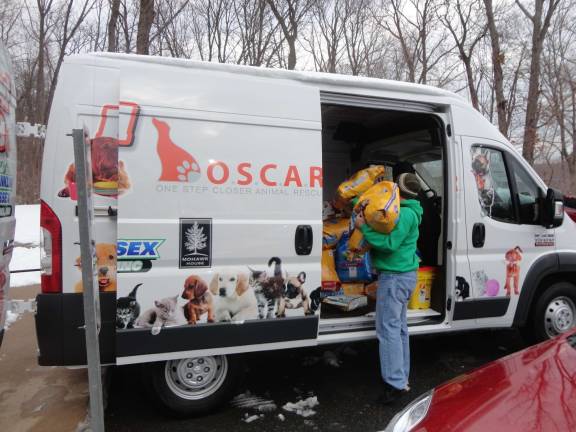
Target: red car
[{"x": 531, "y": 390}]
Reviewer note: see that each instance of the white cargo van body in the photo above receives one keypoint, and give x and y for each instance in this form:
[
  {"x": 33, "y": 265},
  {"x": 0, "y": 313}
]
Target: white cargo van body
[
  {"x": 7, "y": 178},
  {"x": 210, "y": 181}
]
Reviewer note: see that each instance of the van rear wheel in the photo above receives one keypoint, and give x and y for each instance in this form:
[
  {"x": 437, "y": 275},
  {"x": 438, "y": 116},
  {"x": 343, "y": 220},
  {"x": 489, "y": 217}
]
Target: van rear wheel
[
  {"x": 555, "y": 311},
  {"x": 194, "y": 385}
]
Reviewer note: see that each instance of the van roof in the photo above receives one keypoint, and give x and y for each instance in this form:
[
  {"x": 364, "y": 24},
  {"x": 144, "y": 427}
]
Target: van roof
[{"x": 319, "y": 78}]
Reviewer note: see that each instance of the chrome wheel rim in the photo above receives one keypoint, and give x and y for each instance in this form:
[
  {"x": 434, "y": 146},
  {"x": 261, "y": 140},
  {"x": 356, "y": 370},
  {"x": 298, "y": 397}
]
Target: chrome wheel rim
[
  {"x": 196, "y": 378},
  {"x": 560, "y": 316}
]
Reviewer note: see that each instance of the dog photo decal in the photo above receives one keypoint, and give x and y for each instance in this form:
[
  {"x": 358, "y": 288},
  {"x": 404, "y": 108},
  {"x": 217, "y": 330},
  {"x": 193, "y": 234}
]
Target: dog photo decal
[
  {"x": 106, "y": 268},
  {"x": 227, "y": 295},
  {"x": 483, "y": 179},
  {"x": 513, "y": 258},
  {"x": 109, "y": 176}
]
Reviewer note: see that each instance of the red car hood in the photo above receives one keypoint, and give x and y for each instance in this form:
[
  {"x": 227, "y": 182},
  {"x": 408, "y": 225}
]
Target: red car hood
[{"x": 531, "y": 390}]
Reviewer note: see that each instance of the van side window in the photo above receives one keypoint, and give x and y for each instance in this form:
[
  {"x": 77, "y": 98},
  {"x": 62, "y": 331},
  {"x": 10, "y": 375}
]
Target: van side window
[
  {"x": 492, "y": 184},
  {"x": 527, "y": 192}
]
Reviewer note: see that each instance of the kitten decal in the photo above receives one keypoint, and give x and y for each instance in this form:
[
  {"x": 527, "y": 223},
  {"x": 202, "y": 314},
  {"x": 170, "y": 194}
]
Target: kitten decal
[
  {"x": 127, "y": 310},
  {"x": 165, "y": 313},
  {"x": 268, "y": 289}
]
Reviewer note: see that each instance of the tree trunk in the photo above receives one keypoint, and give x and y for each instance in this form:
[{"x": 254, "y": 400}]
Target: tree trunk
[
  {"x": 40, "y": 82},
  {"x": 112, "y": 25},
  {"x": 498, "y": 74},
  {"x": 530, "y": 126},
  {"x": 291, "y": 54},
  {"x": 470, "y": 77},
  {"x": 145, "y": 21}
]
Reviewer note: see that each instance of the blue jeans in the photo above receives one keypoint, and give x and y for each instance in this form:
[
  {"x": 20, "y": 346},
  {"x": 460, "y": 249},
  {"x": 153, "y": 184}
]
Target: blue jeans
[{"x": 394, "y": 290}]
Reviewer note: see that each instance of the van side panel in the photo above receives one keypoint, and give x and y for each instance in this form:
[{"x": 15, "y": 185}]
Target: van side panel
[
  {"x": 83, "y": 96},
  {"x": 7, "y": 178},
  {"x": 226, "y": 186}
]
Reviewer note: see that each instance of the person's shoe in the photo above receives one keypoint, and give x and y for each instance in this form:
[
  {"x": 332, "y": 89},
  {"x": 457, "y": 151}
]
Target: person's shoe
[{"x": 390, "y": 395}]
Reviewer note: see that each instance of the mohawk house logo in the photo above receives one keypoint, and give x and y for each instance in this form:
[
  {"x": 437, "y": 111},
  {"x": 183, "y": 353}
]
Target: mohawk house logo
[{"x": 195, "y": 243}]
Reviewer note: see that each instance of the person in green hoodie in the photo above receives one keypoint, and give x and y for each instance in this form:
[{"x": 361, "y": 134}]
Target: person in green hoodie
[{"x": 394, "y": 256}]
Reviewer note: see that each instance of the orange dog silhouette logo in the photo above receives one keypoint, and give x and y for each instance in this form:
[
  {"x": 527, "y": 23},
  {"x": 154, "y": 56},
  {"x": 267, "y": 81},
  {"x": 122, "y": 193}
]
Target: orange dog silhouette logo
[{"x": 177, "y": 164}]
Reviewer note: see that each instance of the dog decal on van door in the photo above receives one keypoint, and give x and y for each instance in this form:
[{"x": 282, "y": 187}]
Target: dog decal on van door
[{"x": 513, "y": 258}]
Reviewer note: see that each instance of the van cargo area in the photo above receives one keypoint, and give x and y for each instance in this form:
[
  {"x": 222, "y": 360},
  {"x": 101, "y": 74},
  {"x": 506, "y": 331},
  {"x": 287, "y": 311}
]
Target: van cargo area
[{"x": 354, "y": 138}]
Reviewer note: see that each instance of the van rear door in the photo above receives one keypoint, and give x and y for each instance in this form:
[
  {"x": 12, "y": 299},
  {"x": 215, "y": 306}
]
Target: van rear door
[
  {"x": 7, "y": 179},
  {"x": 221, "y": 223}
]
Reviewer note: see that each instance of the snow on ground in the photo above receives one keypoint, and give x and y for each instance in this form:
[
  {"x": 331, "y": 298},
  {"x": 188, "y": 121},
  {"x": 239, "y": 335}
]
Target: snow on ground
[
  {"x": 26, "y": 254},
  {"x": 11, "y": 318},
  {"x": 257, "y": 403},
  {"x": 303, "y": 407}
]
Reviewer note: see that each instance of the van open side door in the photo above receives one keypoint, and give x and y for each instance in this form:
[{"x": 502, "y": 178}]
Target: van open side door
[{"x": 219, "y": 223}]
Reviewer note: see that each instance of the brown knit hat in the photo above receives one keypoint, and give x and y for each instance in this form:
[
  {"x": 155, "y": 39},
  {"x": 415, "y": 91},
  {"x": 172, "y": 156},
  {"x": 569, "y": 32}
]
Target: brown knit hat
[{"x": 409, "y": 185}]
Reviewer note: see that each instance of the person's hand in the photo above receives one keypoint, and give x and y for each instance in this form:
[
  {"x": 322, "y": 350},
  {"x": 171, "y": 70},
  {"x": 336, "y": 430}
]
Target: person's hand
[{"x": 359, "y": 220}]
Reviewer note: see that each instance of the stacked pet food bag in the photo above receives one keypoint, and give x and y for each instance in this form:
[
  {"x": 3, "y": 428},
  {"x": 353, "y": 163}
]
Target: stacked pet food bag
[{"x": 347, "y": 275}]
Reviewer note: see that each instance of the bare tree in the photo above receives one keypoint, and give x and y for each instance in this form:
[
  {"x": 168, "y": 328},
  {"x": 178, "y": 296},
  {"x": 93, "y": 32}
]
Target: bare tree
[
  {"x": 540, "y": 20},
  {"x": 256, "y": 29},
  {"x": 291, "y": 15},
  {"x": 467, "y": 31},
  {"x": 113, "y": 25},
  {"x": 497, "y": 72},
  {"x": 66, "y": 30},
  {"x": 413, "y": 25},
  {"x": 324, "y": 40},
  {"x": 10, "y": 11},
  {"x": 145, "y": 20}
]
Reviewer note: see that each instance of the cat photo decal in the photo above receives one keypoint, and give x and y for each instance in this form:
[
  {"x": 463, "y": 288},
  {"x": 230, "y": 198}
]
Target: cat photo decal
[{"x": 230, "y": 295}]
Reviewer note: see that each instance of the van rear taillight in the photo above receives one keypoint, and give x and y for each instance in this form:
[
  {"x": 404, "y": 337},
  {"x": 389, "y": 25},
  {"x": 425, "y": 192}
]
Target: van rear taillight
[
  {"x": 51, "y": 250},
  {"x": 571, "y": 212}
]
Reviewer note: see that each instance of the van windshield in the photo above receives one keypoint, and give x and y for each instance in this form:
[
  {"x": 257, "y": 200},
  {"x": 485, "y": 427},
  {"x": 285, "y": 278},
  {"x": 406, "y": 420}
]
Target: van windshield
[{"x": 431, "y": 173}]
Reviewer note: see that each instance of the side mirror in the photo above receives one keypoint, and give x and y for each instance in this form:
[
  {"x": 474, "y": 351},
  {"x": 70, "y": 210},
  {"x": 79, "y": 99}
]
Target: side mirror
[{"x": 553, "y": 209}]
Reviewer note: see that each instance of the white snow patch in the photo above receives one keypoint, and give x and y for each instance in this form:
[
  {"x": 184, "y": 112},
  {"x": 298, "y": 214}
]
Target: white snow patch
[
  {"x": 248, "y": 400},
  {"x": 11, "y": 318},
  {"x": 331, "y": 359},
  {"x": 252, "y": 418},
  {"x": 26, "y": 253},
  {"x": 303, "y": 407},
  {"x": 281, "y": 417}
]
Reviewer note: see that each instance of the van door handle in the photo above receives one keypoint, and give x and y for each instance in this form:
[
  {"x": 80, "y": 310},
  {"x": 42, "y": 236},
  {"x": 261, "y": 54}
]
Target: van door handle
[
  {"x": 303, "y": 240},
  {"x": 478, "y": 235}
]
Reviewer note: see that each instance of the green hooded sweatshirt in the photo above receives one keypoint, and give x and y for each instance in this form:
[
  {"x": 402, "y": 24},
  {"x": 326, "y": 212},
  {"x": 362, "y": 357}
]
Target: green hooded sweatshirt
[{"x": 396, "y": 252}]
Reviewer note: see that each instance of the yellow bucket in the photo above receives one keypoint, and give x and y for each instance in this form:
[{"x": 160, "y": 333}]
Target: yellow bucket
[{"x": 420, "y": 298}]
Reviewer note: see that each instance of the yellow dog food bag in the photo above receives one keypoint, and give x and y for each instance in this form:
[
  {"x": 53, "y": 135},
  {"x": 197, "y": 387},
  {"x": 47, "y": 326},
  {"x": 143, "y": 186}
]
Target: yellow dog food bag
[
  {"x": 332, "y": 231},
  {"x": 330, "y": 279},
  {"x": 357, "y": 243},
  {"x": 381, "y": 206},
  {"x": 357, "y": 184}
]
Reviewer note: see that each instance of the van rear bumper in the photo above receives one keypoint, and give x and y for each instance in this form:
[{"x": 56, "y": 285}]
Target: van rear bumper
[{"x": 61, "y": 338}]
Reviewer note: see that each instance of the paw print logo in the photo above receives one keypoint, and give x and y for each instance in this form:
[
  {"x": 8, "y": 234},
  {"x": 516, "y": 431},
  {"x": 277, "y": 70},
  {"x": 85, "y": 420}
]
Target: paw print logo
[
  {"x": 177, "y": 164},
  {"x": 188, "y": 172}
]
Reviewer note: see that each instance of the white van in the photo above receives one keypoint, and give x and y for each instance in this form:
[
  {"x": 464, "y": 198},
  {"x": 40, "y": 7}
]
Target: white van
[
  {"x": 209, "y": 184},
  {"x": 7, "y": 178}
]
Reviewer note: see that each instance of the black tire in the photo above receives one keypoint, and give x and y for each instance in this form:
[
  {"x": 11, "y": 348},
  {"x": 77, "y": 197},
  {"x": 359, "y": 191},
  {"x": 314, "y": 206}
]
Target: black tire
[
  {"x": 553, "y": 313},
  {"x": 163, "y": 382}
]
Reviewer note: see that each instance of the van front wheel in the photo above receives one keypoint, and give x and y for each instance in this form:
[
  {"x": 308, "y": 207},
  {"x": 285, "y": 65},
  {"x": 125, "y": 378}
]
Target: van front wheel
[
  {"x": 194, "y": 385},
  {"x": 555, "y": 311}
]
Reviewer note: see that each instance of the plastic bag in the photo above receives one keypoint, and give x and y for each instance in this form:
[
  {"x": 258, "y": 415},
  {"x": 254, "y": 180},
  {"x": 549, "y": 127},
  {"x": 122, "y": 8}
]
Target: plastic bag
[
  {"x": 351, "y": 266},
  {"x": 357, "y": 185},
  {"x": 381, "y": 206},
  {"x": 330, "y": 280},
  {"x": 332, "y": 231}
]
